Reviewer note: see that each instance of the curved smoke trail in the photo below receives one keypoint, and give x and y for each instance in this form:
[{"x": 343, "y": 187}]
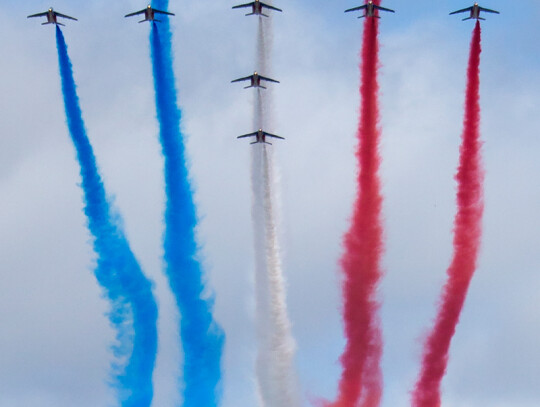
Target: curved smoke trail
[
  {"x": 361, "y": 377},
  {"x": 467, "y": 236},
  {"x": 133, "y": 308},
  {"x": 201, "y": 337},
  {"x": 276, "y": 378}
]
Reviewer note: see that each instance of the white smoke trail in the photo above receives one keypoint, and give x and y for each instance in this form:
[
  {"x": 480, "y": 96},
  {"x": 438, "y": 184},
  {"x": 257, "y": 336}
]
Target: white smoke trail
[{"x": 276, "y": 378}]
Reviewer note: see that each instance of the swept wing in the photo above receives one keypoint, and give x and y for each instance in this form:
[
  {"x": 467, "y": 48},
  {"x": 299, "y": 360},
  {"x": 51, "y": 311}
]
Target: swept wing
[
  {"x": 163, "y": 12},
  {"x": 135, "y": 13},
  {"x": 268, "y": 79},
  {"x": 462, "y": 11},
  {"x": 242, "y": 79},
  {"x": 63, "y": 15},
  {"x": 273, "y": 135},
  {"x": 487, "y": 10},
  {"x": 39, "y": 15}
]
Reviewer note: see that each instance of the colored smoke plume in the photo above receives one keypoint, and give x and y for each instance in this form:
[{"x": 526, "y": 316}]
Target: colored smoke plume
[
  {"x": 467, "y": 237},
  {"x": 361, "y": 377},
  {"x": 133, "y": 308},
  {"x": 276, "y": 376},
  {"x": 202, "y": 338}
]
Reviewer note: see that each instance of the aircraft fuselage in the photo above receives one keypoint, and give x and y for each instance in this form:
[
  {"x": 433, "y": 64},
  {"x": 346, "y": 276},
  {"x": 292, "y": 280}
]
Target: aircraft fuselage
[
  {"x": 475, "y": 12},
  {"x": 51, "y": 17},
  {"x": 370, "y": 10},
  {"x": 257, "y": 8},
  {"x": 149, "y": 14}
]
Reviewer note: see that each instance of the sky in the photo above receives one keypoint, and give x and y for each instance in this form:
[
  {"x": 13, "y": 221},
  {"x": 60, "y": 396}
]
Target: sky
[{"x": 55, "y": 336}]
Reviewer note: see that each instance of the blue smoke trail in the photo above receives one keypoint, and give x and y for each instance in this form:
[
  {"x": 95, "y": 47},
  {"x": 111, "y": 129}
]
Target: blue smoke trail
[
  {"x": 133, "y": 308},
  {"x": 202, "y": 338}
]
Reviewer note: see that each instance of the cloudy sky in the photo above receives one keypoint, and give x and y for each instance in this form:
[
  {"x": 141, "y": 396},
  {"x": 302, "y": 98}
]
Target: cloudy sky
[{"x": 54, "y": 336}]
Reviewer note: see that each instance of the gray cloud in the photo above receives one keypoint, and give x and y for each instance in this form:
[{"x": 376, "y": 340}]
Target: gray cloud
[{"x": 54, "y": 335}]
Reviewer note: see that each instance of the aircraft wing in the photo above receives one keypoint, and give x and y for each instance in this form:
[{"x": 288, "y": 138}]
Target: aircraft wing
[
  {"x": 163, "y": 12},
  {"x": 270, "y": 7},
  {"x": 488, "y": 10},
  {"x": 462, "y": 11},
  {"x": 273, "y": 135},
  {"x": 384, "y": 9},
  {"x": 63, "y": 15},
  {"x": 38, "y": 14},
  {"x": 356, "y": 8},
  {"x": 248, "y": 135},
  {"x": 244, "y": 5},
  {"x": 135, "y": 13},
  {"x": 242, "y": 79},
  {"x": 268, "y": 79}
]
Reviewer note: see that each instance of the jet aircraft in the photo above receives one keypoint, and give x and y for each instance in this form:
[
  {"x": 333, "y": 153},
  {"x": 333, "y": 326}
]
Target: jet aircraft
[
  {"x": 261, "y": 136},
  {"x": 257, "y": 8},
  {"x": 255, "y": 80},
  {"x": 52, "y": 16},
  {"x": 369, "y": 8},
  {"x": 149, "y": 14},
  {"x": 475, "y": 12}
]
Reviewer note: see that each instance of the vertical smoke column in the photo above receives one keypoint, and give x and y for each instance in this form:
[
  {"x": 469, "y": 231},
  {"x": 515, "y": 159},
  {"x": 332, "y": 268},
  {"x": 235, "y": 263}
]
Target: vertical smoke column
[
  {"x": 201, "y": 337},
  {"x": 276, "y": 378},
  {"x": 133, "y": 308},
  {"x": 467, "y": 236},
  {"x": 361, "y": 378}
]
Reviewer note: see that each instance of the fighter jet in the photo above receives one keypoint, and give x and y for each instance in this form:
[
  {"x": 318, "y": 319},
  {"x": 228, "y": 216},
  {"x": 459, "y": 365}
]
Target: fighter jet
[
  {"x": 255, "y": 80},
  {"x": 475, "y": 12},
  {"x": 257, "y": 8},
  {"x": 261, "y": 136},
  {"x": 369, "y": 8},
  {"x": 52, "y": 16},
  {"x": 149, "y": 14}
]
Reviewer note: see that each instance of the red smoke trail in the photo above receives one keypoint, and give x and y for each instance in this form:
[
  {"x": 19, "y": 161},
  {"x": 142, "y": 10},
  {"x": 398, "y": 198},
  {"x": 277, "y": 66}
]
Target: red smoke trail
[
  {"x": 467, "y": 234},
  {"x": 361, "y": 378}
]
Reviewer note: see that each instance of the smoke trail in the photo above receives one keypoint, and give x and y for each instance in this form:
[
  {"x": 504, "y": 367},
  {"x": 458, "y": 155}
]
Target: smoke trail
[
  {"x": 467, "y": 236},
  {"x": 133, "y": 308},
  {"x": 361, "y": 378},
  {"x": 276, "y": 378},
  {"x": 202, "y": 339}
]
